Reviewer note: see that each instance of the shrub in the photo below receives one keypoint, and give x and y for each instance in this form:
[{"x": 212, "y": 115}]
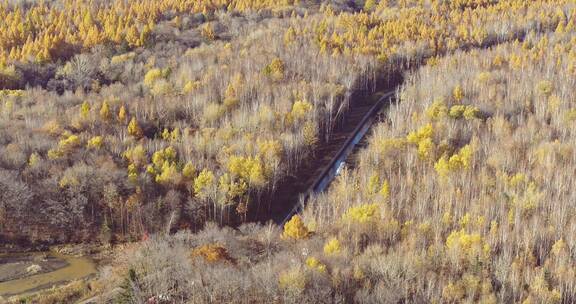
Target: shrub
[
  {"x": 65, "y": 146},
  {"x": 545, "y": 87},
  {"x": 95, "y": 142},
  {"x": 459, "y": 161},
  {"x": 423, "y": 133},
  {"x": 105, "y": 111},
  {"x": 152, "y": 76},
  {"x": 332, "y": 247},
  {"x": 85, "y": 109},
  {"x": 136, "y": 155},
  {"x": 293, "y": 280},
  {"x": 134, "y": 128},
  {"x": 437, "y": 110},
  {"x": 189, "y": 171},
  {"x": 208, "y": 32},
  {"x": 369, "y": 5},
  {"x": 462, "y": 111},
  {"x": 9, "y": 77},
  {"x": 299, "y": 110},
  {"x": 458, "y": 93},
  {"x": 426, "y": 149},
  {"x": 364, "y": 213},
  {"x": 34, "y": 159},
  {"x": 212, "y": 253},
  {"x": 122, "y": 115},
  {"x": 295, "y": 229},
  {"x": 314, "y": 264},
  {"x": 275, "y": 69},
  {"x": 190, "y": 87}
]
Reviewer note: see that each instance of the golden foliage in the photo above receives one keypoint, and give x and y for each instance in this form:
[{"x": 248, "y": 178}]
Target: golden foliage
[
  {"x": 134, "y": 128},
  {"x": 95, "y": 142},
  {"x": 65, "y": 146},
  {"x": 295, "y": 229},
  {"x": 212, "y": 253},
  {"x": 85, "y": 109},
  {"x": 122, "y": 115},
  {"x": 40, "y": 31},
  {"x": 105, "y": 111},
  {"x": 203, "y": 183},
  {"x": 136, "y": 155},
  {"x": 208, "y": 32},
  {"x": 332, "y": 247},
  {"x": 458, "y": 161},
  {"x": 467, "y": 244},
  {"x": 249, "y": 169},
  {"x": 189, "y": 171},
  {"x": 314, "y": 264},
  {"x": 362, "y": 214},
  {"x": 425, "y": 132},
  {"x": 275, "y": 69}
]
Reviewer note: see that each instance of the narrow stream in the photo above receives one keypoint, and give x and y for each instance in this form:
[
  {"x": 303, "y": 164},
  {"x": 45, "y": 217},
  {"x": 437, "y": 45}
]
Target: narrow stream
[{"x": 75, "y": 268}]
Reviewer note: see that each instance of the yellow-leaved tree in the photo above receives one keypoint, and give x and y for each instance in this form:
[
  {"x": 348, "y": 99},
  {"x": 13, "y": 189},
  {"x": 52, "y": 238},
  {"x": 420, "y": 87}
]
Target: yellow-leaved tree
[
  {"x": 134, "y": 128},
  {"x": 295, "y": 229}
]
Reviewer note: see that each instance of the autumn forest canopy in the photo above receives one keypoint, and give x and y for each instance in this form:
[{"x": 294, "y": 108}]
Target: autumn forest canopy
[{"x": 161, "y": 129}]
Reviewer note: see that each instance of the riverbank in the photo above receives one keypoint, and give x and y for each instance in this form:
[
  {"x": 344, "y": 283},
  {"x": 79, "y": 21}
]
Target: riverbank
[
  {"x": 30, "y": 273},
  {"x": 27, "y": 271},
  {"x": 18, "y": 266}
]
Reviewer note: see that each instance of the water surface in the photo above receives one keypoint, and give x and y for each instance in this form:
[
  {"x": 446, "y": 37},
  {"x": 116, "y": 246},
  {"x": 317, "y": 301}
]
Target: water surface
[{"x": 77, "y": 268}]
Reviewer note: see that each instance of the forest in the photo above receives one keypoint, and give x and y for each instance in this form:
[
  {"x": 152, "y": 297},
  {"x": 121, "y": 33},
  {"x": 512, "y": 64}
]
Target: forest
[{"x": 157, "y": 131}]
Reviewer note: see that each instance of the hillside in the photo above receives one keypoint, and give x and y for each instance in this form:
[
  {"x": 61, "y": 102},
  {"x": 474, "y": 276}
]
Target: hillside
[{"x": 163, "y": 128}]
